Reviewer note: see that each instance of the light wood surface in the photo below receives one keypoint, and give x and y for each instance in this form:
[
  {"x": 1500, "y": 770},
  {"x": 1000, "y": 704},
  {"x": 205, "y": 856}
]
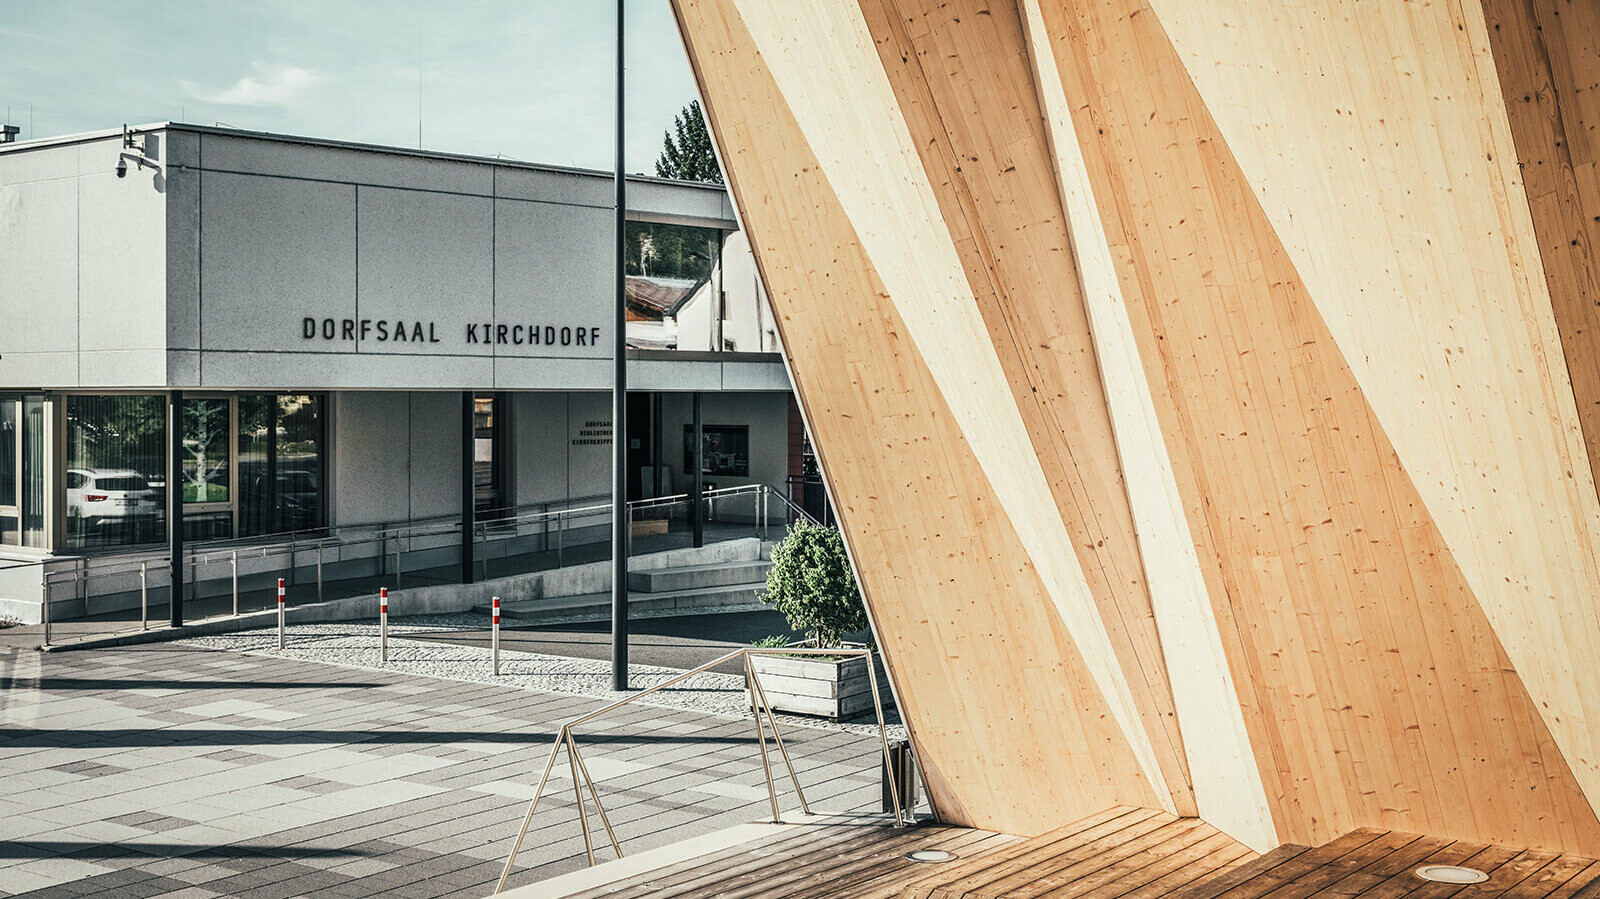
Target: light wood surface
[
  {"x": 1203, "y": 389},
  {"x": 995, "y": 691}
]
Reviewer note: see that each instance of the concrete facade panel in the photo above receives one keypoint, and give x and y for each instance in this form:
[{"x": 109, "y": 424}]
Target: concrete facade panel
[
  {"x": 274, "y": 251},
  {"x": 539, "y": 443},
  {"x": 356, "y": 165},
  {"x": 335, "y": 371},
  {"x": 435, "y": 450},
  {"x": 122, "y": 259},
  {"x": 183, "y": 239},
  {"x": 425, "y": 273},
  {"x": 371, "y": 455},
  {"x": 39, "y": 274},
  {"x": 546, "y": 260}
]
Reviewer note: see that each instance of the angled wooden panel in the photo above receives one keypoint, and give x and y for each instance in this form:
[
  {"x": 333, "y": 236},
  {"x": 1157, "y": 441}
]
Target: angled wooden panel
[
  {"x": 1375, "y": 137},
  {"x": 990, "y": 168},
  {"x": 1012, "y": 725},
  {"x": 1227, "y": 785},
  {"x": 1381, "y": 695}
]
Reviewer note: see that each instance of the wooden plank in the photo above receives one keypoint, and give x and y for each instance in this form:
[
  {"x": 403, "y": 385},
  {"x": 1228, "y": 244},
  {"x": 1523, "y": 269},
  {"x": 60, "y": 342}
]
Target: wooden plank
[
  {"x": 1219, "y": 883},
  {"x": 1029, "y": 851},
  {"x": 892, "y": 868},
  {"x": 1547, "y": 880},
  {"x": 1401, "y": 882},
  {"x": 1095, "y": 863},
  {"x": 894, "y": 884},
  {"x": 1290, "y": 867},
  {"x": 1200, "y": 852},
  {"x": 1045, "y": 852},
  {"x": 1583, "y": 885}
]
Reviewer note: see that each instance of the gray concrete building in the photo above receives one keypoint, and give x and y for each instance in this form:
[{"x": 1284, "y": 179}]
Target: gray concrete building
[{"x": 347, "y": 336}]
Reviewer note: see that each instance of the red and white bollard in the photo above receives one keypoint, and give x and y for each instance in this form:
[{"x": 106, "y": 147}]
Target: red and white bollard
[
  {"x": 494, "y": 638},
  {"x": 280, "y": 613},
  {"x": 383, "y": 624}
]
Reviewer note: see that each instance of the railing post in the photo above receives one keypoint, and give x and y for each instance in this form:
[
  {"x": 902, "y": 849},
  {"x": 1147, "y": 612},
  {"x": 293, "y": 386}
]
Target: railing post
[
  {"x": 399, "y": 543},
  {"x": 483, "y": 564},
  {"x": 235, "y": 562},
  {"x": 319, "y": 570},
  {"x": 280, "y": 613},
  {"x": 144, "y": 596},
  {"x": 561, "y": 536},
  {"x": 383, "y": 625},
  {"x": 494, "y": 638},
  {"x": 44, "y": 608}
]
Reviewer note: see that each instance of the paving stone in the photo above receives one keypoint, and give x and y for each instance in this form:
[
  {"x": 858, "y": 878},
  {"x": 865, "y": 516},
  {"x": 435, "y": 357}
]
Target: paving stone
[{"x": 347, "y": 781}]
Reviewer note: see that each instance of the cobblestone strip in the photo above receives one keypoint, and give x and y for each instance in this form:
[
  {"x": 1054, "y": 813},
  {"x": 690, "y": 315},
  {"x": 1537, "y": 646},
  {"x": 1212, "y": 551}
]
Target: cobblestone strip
[{"x": 355, "y": 645}]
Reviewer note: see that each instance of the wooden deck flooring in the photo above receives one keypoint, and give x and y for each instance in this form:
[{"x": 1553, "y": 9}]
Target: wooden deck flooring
[{"x": 1121, "y": 853}]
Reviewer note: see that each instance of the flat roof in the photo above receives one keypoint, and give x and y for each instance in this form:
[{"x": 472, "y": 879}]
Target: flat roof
[{"x": 502, "y": 161}]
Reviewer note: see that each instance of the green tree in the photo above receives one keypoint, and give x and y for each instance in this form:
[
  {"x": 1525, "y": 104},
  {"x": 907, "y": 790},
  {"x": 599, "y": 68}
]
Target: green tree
[
  {"x": 689, "y": 156},
  {"x": 812, "y": 585}
]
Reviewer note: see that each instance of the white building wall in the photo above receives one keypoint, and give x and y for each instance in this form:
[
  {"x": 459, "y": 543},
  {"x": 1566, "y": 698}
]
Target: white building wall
[{"x": 82, "y": 268}]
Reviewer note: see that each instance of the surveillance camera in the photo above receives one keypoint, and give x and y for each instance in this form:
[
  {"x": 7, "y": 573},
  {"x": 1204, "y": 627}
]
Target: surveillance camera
[{"x": 122, "y": 168}]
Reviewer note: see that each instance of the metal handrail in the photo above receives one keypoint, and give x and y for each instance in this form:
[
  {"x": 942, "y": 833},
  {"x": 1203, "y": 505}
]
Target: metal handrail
[
  {"x": 547, "y": 521},
  {"x": 758, "y": 704}
]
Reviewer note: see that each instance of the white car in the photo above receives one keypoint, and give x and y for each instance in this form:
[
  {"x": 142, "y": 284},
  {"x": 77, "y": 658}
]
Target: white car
[{"x": 106, "y": 496}]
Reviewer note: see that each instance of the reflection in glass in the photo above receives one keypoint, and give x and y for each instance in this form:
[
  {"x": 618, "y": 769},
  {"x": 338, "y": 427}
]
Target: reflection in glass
[
  {"x": 10, "y": 462},
  {"x": 115, "y": 459},
  {"x": 33, "y": 465},
  {"x": 280, "y": 463},
  {"x": 485, "y": 472},
  {"x": 205, "y": 451}
]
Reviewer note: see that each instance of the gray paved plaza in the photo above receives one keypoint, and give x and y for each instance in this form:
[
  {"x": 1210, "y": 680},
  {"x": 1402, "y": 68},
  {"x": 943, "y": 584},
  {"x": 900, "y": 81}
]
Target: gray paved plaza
[{"x": 196, "y": 772}]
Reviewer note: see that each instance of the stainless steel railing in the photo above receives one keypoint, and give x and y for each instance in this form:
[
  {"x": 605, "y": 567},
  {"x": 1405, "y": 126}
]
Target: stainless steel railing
[
  {"x": 758, "y": 705},
  {"x": 386, "y": 545}
]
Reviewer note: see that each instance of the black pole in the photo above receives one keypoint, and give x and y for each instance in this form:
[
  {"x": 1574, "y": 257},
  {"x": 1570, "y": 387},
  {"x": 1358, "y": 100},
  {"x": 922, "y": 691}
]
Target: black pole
[
  {"x": 175, "y": 502},
  {"x": 469, "y": 487},
  {"x": 619, "y": 412},
  {"x": 697, "y": 516}
]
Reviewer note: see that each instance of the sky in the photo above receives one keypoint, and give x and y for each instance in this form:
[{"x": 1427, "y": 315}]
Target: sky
[{"x": 527, "y": 79}]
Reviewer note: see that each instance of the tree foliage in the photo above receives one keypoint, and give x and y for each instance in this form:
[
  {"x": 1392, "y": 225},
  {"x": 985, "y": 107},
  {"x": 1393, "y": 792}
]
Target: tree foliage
[
  {"x": 689, "y": 156},
  {"x": 812, "y": 585}
]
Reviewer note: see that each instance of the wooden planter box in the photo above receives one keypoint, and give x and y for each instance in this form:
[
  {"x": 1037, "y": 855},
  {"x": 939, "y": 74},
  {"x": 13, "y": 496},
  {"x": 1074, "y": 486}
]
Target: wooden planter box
[{"x": 836, "y": 690}]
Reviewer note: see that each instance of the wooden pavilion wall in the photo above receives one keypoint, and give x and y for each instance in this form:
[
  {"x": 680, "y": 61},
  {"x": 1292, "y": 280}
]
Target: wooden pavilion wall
[{"x": 1208, "y": 392}]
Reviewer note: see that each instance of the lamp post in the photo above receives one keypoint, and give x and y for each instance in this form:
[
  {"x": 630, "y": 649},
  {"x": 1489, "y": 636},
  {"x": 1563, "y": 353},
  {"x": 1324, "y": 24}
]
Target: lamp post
[{"x": 619, "y": 412}]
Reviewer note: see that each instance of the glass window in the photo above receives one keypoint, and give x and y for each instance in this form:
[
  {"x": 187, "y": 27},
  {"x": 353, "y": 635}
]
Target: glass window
[
  {"x": 486, "y": 487},
  {"x": 205, "y": 451},
  {"x": 280, "y": 463},
  {"x": 33, "y": 466},
  {"x": 116, "y": 456},
  {"x": 10, "y": 468}
]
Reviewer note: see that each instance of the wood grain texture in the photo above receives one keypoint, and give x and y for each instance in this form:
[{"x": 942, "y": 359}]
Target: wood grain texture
[
  {"x": 1190, "y": 382},
  {"x": 1227, "y": 786},
  {"x": 1375, "y": 137},
  {"x": 1012, "y": 730},
  {"x": 1338, "y": 584},
  {"x": 990, "y": 167},
  {"x": 869, "y": 156}
]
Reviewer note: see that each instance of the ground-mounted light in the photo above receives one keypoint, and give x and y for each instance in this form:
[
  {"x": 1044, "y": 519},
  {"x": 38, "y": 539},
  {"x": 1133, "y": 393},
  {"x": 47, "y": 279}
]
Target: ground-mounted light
[
  {"x": 931, "y": 855},
  {"x": 1451, "y": 874}
]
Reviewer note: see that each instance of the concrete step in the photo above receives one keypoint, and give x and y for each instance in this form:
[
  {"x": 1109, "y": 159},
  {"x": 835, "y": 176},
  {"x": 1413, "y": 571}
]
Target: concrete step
[
  {"x": 597, "y": 606},
  {"x": 698, "y": 577}
]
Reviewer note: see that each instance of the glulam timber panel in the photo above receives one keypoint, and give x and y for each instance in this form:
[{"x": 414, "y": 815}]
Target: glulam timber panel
[
  {"x": 1202, "y": 390},
  {"x": 966, "y": 618}
]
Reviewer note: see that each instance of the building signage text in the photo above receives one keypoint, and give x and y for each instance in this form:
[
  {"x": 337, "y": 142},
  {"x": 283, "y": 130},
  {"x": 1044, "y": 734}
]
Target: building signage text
[{"x": 385, "y": 330}]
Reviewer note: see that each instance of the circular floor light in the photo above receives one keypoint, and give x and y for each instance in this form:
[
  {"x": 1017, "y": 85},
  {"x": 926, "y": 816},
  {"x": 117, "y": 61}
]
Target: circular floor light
[
  {"x": 931, "y": 855},
  {"x": 1451, "y": 874}
]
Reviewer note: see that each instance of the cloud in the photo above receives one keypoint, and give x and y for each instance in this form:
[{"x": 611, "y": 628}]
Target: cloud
[{"x": 271, "y": 85}]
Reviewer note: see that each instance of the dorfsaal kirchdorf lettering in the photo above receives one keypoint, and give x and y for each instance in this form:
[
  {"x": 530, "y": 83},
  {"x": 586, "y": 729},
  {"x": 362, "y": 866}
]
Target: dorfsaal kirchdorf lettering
[{"x": 402, "y": 330}]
